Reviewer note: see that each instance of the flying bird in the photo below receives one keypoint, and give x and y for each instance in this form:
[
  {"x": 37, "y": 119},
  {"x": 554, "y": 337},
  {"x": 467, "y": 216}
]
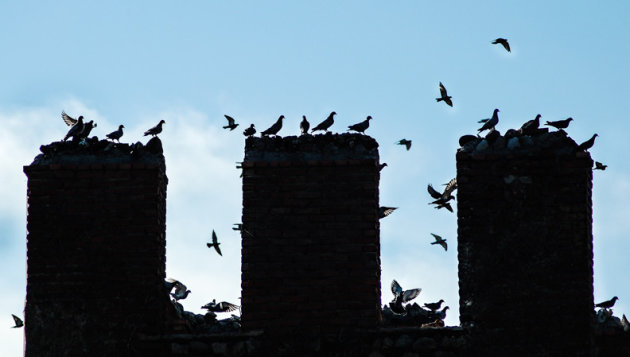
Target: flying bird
[
  {"x": 115, "y": 135},
  {"x": 444, "y": 96},
  {"x": 76, "y": 129},
  {"x": 444, "y": 197},
  {"x": 608, "y": 303},
  {"x": 18, "y": 322},
  {"x": 530, "y": 126},
  {"x": 434, "y": 305},
  {"x": 274, "y": 129},
  {"x": 405, "y": 142},
  {"x": 222, "y": 306},
  {"x": 181, "y": 292},
  {"x": 588, "y": 143},
  {"x": 401, "y": 296},
  {"x": 327, "y": 123},
  {"x": 215, "y": 243},
  {"x": 444, "y": 205},
  {"x": 381, "y": 166},
  {"x": 249, "y": 131},
  {"x": 170, "y": 283},
  {"x": 599, "y": 166},
  {"x": 231, "y": 123},
  {"x": 503, "y": 42},
  {"x": 362, "y": 126},
  {"x": 304, "y": 125},
  {"x": 155, "y": 130},
  {"x": 385, "y": 211},
  {"x": 441, "y": 241},
  {"x": 492, "y": 122},
  {"x": 560, "y": 124}
]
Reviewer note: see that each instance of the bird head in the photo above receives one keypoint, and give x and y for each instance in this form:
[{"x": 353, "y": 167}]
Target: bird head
[
  {"x": 441, "y": 301},
  {"x": 121, "y": 126},
  {"x": 537, "y": 117},
  {"x": 162, "y": 121},
  {"x": 496, "y": 110},
  {"x": 369, "y": 117},
  {"x": 281, "y": 117},
  {"x": 333, "y": 113},
  {"x": 80, "y": 117},
  {"x": 569, "y": 119}
]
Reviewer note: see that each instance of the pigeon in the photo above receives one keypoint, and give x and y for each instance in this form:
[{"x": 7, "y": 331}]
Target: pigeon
[
  {"x": 444, "y": 205},
  {"x": 441, "y": 241},
  {"x": 444, "y": 197},
  {"x": 442, "y": 314},
  {"x": 385, "y": 211},
  {"x": 530, "y": 126},
  {"x": 18, "y": 322},
  {"x": 115, "y": 135},
  {"x": 76, "y": 129},
  {"x": 434, "y": 305},
  {"x": 444, "y": 96},
  {"x": 181, "y": 292},
  {"x": 401, "y": 296},
  {"x": 608, "y": 304},
  {"x": 70, "y": 121},
  {"x": 625, "y": 323},
  {"x": 599, "y": 166},
  {"x": 492, "y": 122},
  {"x": 304, "y": 125},
  {"x": 327, "y": 123},
  {"x": 362, "y": 126},
  {"x": 170, "y": 283},
  {"x": 215, "y": 243},
  {"x": 275, "y": 128},
  {"x": 155, "y": 130},
  {"x": 249, "y": 131},
  {"x": 588, "y": 143},
  {"x": 381, "y": 166},
  {"x": 560, "y": 124},
  {"x": 231, "y": 123},
  {"x": 405, "y": 142},
  {"x": 503, "y": 42},
  {"x": 87, "y": 129},
  {"x": 223, "y": 306}
]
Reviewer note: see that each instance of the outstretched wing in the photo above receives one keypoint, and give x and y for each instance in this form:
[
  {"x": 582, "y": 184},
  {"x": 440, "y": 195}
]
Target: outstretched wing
[
  {"x": 214, "y": 238},
  {"x": 396, "y": 289},
  {"x": 450, "y": 187},
  {"x": 18, "y": 321},
  {"x": 225, "y": 306},
  {"x": 229, "y": 119},
  {"x": 443, "y": 90},
  {"x": 410, "y": 294},
  {"x": 70, "y": 121},
  {"x": 436, "y": 195}
]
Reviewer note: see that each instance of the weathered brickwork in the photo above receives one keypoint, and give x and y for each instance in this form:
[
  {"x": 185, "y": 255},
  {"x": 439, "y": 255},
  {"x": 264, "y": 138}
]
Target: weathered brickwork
[
  {"x": 96, "y": 253},
  {"x": 310, "y": 245}
]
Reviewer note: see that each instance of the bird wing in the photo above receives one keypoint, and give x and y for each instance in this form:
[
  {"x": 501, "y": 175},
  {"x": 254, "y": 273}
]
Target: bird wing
[
  {"x": 214, "y": 238},
  {"x": 388, "y": 210},
  {"x": 216, "y": 247},
  {"x": 448, "y": 101},
  {"x": 18, "y": 321},
  {"x": 443, "y": 90},
  {"x": 450, "y": 187},
  {"x": 436, "y": 195},
  {"x": 444, "y": 245},
  {"x": 70, "y": 121},
  {"x": 506, "y": 45},
  {"x": 437, "y": 238},
  {"x": 410, "y": 294},
  {"x": 225, "y": 306},
  {"x": 229, "y": 119},
  {"x": 396, "y": 289}
]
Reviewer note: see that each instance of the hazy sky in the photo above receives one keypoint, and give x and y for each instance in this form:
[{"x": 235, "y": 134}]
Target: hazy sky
[{"x": 191, "y": 62}]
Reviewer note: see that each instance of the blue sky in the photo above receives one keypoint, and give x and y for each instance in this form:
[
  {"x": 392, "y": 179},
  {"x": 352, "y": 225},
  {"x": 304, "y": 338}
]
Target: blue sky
[{"x": 191, "y": 62}]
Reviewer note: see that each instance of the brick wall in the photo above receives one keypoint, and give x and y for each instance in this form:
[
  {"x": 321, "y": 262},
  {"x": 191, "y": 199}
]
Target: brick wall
[
  {"x": 96, "y": 249},
  {"x": 310, "y": 249},
  {"x": 525, "y": 246}
]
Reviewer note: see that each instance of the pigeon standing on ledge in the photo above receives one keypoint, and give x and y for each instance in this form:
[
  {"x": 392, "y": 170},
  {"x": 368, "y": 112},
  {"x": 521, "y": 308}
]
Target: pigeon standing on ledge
[
  {"x": 304, "y": 125},
  {"x": 503, "y": 42},
  {"x": 362, "y": 126},
  {"x": 588, "y": 143},
  {"x": 405, "y": 142},
  {"x": 531, "y": 126},
  {"x": 215, "y": 243},
  {"x": 560, "y": 124},
  {"x": 231, "y": 123},
  {"x": 115, "y": 135},
  {"x": 249, "y": 131},
  {"x": 274, "y": 129},
  {"x": 444, "y": 96},
  {"x": 442, "y": 314},
  {"x": 608, "y": 303},
  {"x": 439, "y": 240},
  {"x": 327, "y": 123},
  {"x": 434, "y": 305},
  {"x": 492, "y": 122},
  {"x": 155, "y": 130},
  {"x": 77, "y": 127}
]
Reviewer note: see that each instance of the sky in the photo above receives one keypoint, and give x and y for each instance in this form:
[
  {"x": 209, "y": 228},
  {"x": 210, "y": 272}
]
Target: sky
[{"x": 191, "y": 62}]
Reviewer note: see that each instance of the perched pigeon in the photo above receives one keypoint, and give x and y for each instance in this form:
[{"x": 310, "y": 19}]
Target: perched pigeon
[
  {"x": 222, "y": 306},
  {"x": 385, "y": 211},
  {"x": 441, "y": 241},
  {"x": 503, "y": 42},
  {"x": 275, "y": 128},
  {"x": 231, "y": 123},
  {"x": 442, "y": 314},
  {"x": 444, "y": 96},
  {"x": 405, "y": 142},
  {"x": 434, "y": 305},
  {"x": 401, "y": 296},
  {"x": 87, "y": 129},
  {"x": 608, "y": 304},
  {"x": 588, "y": 143},
  {"x": 215, "y": 243},
  {"x": 304, "y": 125},
  {"x": 181, "y": 292},
  {"x": 599, "y": 166},
  {"x": 18, "y": 322},
  {"x": 362, "y": 126},
  {"x": 560, "y": 124},
  {"x": 327, "y": 123},
  {"x": 530, "y": 126},
  {"x": 492, "y": 122},
  {"x": 75, "y": 130},
  {"x": 381, "y": 166},
  {"x": 155, "y": 130},
  {"x": 249, "y": 131},
  {"x": 115, "y": 135}
]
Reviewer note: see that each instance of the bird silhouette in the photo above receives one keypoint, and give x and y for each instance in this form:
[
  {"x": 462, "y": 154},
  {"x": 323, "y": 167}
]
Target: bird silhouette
[
  {"x": 327, "y": 123},
  {"x": 385, "y": 211},
  {"x": 492, "y": 122},
  {"x": 249, "y": 131},
  {"x": 530, "y": 126},
  {"x": 18, "y": 322},
  {"x": 76, "y": 128},
  {"x": 274, "y": 129},
  {"x": 442, "y": 314},
  {"x": 155, "y": 130},
  {"x": 444, "y": 205},
  {"x": 70, "y": 121},
  {"x": 588, "y": 143},
  {"x": 304, "y": 125},
  {"x": 405, "y": 142},
  {"x": 181, "y": 291},
  {"x": 560, "y": 124},
  {"x": 169, "y": 284},
  {"x": 608, "y": 303},
  {"x": 503, "y": 42},
  {"x": 444, "y": 96},
  {"x": 231, "y": 123},
  {"x": 117, "y": 134},
  {"x": 446, "y": 195},
  {"x": 434, "y": 305},
  {"x": 441, "y": 241},
  {"x": 381, "y": 166},
  {"x": 362, "y": 126},
  {"x": 401, "y": 296},
  {"x": 87, "y": 129},
  {"x": 599, "y": 166},
  {"x": 215, "y": 243},
  {"x": 222, "y": 306}
]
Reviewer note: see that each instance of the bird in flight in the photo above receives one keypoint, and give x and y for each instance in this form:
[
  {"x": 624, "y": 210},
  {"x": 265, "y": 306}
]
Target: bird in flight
[
  {"x": 385, "y": 211},
  {"x": 274, "y": 129},
  {"x": 181, "y": 292},
  {"x": 249, "y": 131},
  {"x": 116, "y": 134},
  {"x": 327, "y": 123},
  {"x": 444, "y": 96},
  {"x": 444, "y": 197},
  {"x": 231, "y": 123},
  {"x": 362, "y": 126},
  {"x": 599, "y": 166},
  {"x": 434, "y": 305},
  {"x": 401, "y": 296},
  {"x": 155, "y": 130},
  {"x": 381, "y": 166},
  {"x": 405, "y": 142},
  {"x": 560, "y": 124},
  {"x": 304, "y": 125},
  {"x": 503, "y": 42},
  {"x": 215, "y": 243},
  {"x": 492, "y": 122},
  {"x": 222, "y": 306},
  {"x": 18, "y": 322},
  {"x": 608, "y": 303},
  {"x": 441, "y": 241},
  {"x": 588, "y": 143}
]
